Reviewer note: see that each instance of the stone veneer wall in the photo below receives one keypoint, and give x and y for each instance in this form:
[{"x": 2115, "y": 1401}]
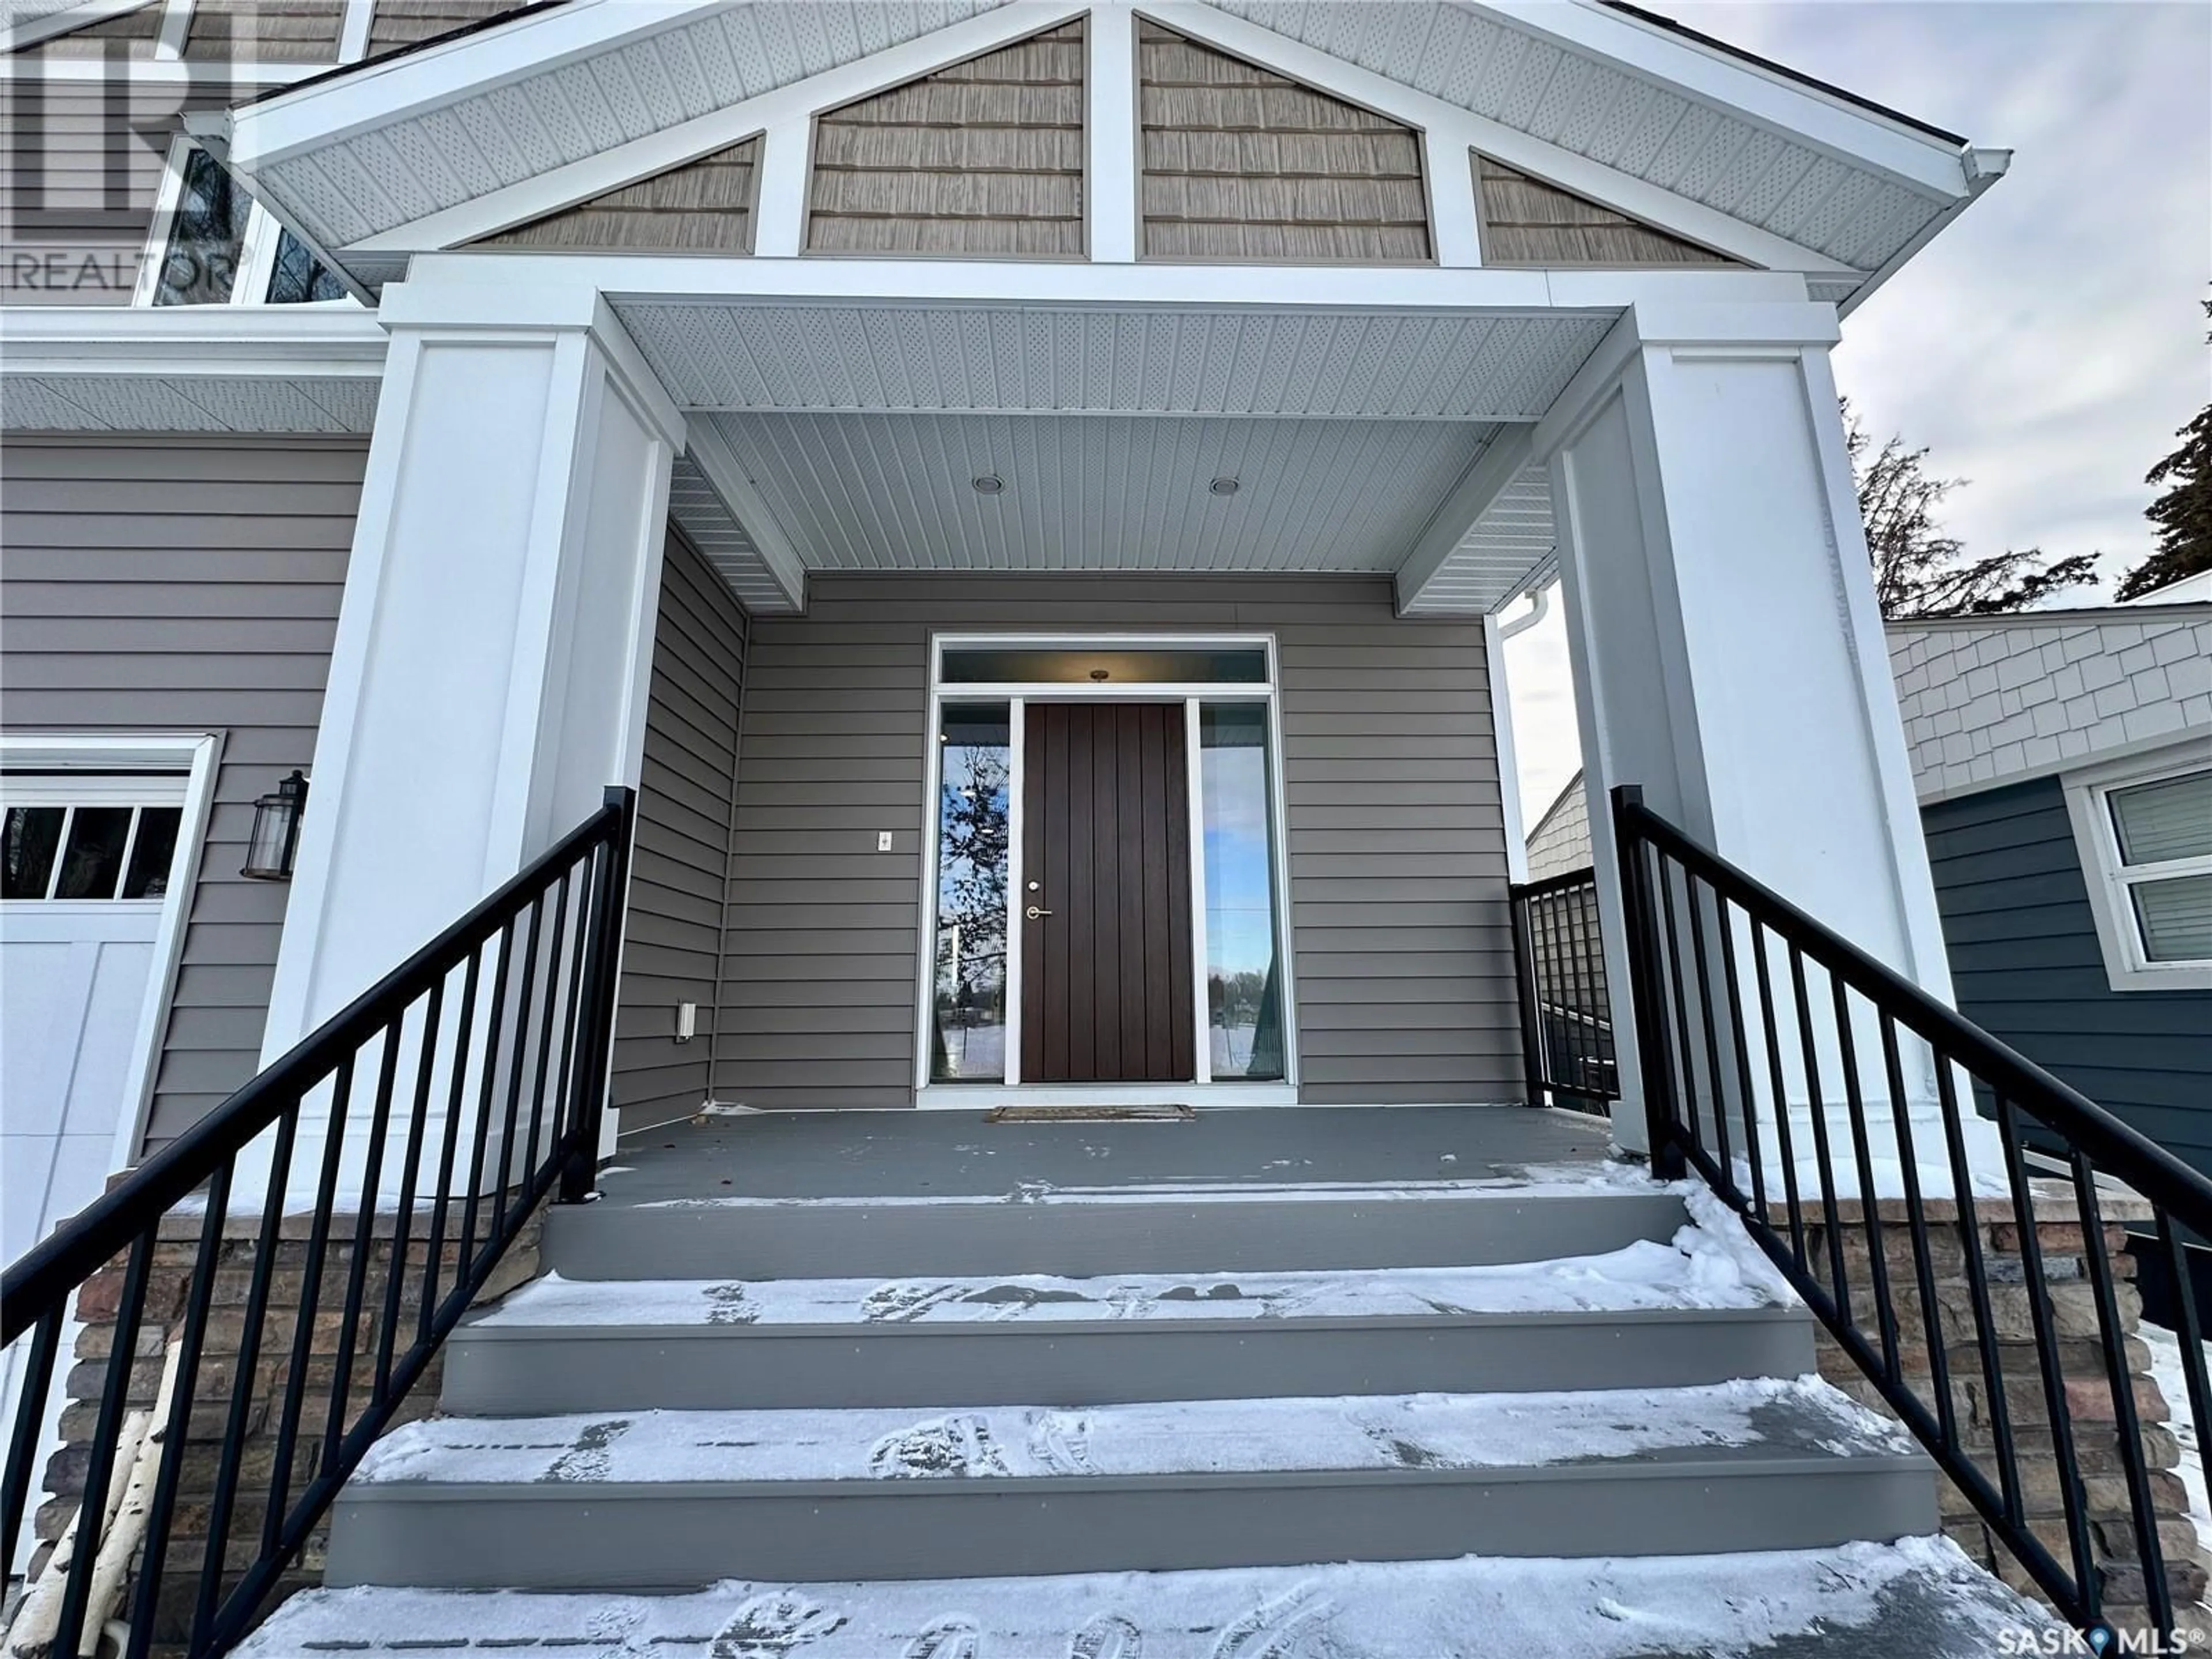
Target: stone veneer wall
[
  {"x": 2088, "y": 1390},
  {"x": 211, "y": 1402}
]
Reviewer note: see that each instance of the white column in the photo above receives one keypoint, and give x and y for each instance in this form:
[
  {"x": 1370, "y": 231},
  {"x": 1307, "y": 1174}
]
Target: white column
[
  {"x": 494, "y": 641},
  {"x": 1727, "y": 649}
]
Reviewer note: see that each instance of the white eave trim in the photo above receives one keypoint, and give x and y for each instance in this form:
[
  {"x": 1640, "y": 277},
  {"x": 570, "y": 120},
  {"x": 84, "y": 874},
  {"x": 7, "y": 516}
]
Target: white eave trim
[
  {"x": 222, "y": 342},
  {"x": 377, "y": 94},
  {"x": 1849, "y": 130}
]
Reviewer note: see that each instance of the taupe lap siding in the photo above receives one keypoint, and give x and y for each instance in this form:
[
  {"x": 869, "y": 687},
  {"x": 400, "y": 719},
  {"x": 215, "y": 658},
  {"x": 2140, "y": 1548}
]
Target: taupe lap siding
[
  {"x": 677, "y": 884},
  {"x": 1397, "y": 850},
  {"x": 185, "y": 586}
]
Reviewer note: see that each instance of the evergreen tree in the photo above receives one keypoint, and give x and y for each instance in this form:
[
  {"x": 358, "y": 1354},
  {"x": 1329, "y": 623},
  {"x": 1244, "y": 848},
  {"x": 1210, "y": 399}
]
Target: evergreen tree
[
  {"x": 1919, "y": 571},
  {"x": 2184, "y": 513}
]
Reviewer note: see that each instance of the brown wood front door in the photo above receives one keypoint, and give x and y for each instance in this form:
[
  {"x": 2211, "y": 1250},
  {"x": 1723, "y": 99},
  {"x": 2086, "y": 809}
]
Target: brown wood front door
[{"x": 1106, "y": 985}]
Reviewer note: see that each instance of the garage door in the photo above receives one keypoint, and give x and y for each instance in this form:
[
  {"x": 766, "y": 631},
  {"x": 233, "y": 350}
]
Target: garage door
[{"x": 85, "y": 868}]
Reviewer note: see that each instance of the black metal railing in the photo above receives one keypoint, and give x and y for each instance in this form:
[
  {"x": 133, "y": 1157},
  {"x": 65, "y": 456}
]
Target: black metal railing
[
  {"x": 1566, "y": 1018},
  {"x": 483, "y": 1061},
  {"x": 1890, "y": 1157}
]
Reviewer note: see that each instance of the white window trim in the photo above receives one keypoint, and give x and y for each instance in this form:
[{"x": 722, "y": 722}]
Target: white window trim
[
  {"x": 2096, "y": 838},
  {"x": 195, "y": 755},
  {"x": 971, "y": 1096}
]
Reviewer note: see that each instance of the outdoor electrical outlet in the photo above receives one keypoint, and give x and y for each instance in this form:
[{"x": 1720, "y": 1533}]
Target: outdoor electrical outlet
[{"x": 883, "y": 840}]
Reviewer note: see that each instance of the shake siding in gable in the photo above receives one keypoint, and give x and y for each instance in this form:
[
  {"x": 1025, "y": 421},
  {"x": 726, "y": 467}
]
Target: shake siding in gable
[
  {"x": 1397, "y": 850},
  {"x": 2025, "y": 961},
  {"x": 678, "y": 873},
  {"x": 179, "y": 585}
]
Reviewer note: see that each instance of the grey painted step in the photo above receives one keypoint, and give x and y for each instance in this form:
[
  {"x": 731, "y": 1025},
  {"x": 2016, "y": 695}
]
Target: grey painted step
[
  {"x": 524, "y": 1369},
  {"x": 708, "y": 1239},
  {"x": 660, "y": 1535},
  {"x": 674, "y": 1500}
]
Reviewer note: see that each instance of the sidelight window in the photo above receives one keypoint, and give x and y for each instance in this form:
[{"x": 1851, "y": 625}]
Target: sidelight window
[
  {"x": 1244, "y": 957},
  {"x": 975, "y": 805}
]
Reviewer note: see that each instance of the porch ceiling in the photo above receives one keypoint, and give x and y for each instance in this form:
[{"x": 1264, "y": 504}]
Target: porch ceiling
[{"x": 895, "y": 492}]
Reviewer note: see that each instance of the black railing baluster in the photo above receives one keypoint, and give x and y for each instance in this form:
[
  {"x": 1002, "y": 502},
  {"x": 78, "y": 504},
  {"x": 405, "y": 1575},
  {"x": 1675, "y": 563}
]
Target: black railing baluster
[
  {"x": 2187, "y": 1332},
  {"x": 516, "y": 1068},
  {"x": 496, "y": 1019},
  {"x": 2119, "y": 1374},
  {"x": 1978, "y": 1286},
  {"x": 191, "y": 1338},
  {"x": 1786, "y": 1143},
  {"x": 228, "y": 1467},
  {"x": 310, "y": 1305},
  {"x": 1692, "y": 897},
  {"x": 1916, "y": 1210},
  {"x": 1839, "y": 1283},
  {"x": 1885, "y": 1308},
  {"x": 403, "y": 1218},
  {"x": 27, "y": 1435},
  {"x": 546, "y": 1027},
  {"x": 99, "y": 1470},
  {"x": 434, "y": 1247},
  {"x": 2037, "y": 1283},
  {"x": 1519, "y": 911},
  {"x": 364, "y": 1243},
  {"x": 1747, "y": 1090},
  {"x": 1690, "y": 1119}
]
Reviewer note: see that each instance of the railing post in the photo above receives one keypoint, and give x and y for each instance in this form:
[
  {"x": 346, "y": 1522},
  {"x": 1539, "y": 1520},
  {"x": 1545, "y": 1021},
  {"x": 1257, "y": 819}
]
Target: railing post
[
  {"x": 1643, "y": 998},
  {"x": 1524, "y": 976},
  {"x": 601, "y": 980}
]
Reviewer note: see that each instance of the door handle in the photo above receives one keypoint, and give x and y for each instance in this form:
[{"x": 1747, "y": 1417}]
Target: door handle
[{"x": 1033, "y": 913}]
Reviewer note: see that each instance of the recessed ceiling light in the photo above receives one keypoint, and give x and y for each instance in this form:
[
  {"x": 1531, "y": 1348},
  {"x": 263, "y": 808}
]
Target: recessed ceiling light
[
  {"x": 1223, "y": 487},
  {"x": 989, "y": 484}
]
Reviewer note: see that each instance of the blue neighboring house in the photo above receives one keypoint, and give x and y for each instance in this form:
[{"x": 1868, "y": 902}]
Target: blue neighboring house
[{"x": 2063, "y": 764}]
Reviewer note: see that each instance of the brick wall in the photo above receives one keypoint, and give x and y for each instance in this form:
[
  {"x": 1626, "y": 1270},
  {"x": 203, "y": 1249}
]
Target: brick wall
[{"x": 212, "y": 1400}]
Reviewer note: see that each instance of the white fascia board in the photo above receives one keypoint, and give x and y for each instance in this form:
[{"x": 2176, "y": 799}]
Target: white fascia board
[
  {"x": 1984, "y": 168},
  {"x": 1451, "y": 126},
  {"x": 1478, "y": 486},
  {"x": 1848, "y": 131},
  {"x": 677, "y": 277},
  {"x": 721, "y": 468},
  {"x": 786, "y": 107},
  {"x": 221, "y": 342},
  {"x": 377, "y": 94},
  {"x": 16, "y": 36}
]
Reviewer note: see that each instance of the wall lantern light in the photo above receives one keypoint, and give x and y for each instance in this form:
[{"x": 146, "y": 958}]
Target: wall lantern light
[{"x": 276, "y": 838}]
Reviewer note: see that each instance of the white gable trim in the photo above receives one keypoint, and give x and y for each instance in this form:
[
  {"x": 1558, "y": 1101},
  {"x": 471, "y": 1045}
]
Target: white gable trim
[
  {"x": 1451, "y": 130},
  {"x": 784, "y": 117}
]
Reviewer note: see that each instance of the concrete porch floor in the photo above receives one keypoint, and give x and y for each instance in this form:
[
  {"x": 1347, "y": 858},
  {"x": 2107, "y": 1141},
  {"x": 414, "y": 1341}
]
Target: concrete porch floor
[{"x": 941, "y": 1154}]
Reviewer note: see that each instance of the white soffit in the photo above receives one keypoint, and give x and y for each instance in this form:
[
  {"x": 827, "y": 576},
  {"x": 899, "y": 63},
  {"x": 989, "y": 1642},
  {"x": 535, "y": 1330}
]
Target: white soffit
[
  {"x": 1539, "y": 80},
  {"x": 698, "y": 507},
  {"x": 1513, "y": 540},
  {"x": 614, "y": 72},
  {"x": 1249, "y": 360},
  {"x": 895, "y": 492}
]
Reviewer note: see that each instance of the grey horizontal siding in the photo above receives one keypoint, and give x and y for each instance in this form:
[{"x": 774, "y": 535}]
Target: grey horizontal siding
[
  {"x": 2026, "y": 966},
  {"x": 1240, "y": 163},
  {"x": 77, "y": 193},
  {"x": 173, "y": 585},
  {"x": 672, "y": 943},
  {"x": 983, "y": 157},
  {"x": 1397, "y": 843}
]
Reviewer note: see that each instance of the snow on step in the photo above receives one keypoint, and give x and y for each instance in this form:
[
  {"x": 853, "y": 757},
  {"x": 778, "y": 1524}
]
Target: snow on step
[
  {"x": 1919, "y": 1596},
  {"x": 1803, "y": 1416}
]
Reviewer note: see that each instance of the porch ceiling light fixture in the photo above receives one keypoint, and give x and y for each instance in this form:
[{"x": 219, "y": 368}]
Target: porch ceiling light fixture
[
  {"x": 275, "y": 841},
  {"x": 1223, "y": 487},
  {"x": 990, "y": 484}
]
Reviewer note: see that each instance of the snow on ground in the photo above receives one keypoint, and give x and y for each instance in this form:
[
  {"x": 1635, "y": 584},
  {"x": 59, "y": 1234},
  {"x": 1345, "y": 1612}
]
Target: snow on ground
[
  {"x": 1917, "y": 1599},
  {"x": 2166, "y": 1371},
  {"x": 1374, "y": 1431}
]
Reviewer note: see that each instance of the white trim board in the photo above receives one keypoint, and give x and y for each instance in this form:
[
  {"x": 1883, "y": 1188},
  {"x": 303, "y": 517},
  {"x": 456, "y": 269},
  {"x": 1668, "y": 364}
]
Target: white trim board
[{"x": 2096, "y": 844}]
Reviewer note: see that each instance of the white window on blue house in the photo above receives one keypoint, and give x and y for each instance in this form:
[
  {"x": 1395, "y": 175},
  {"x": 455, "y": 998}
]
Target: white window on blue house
[
  {"x": 213, "y": 245},
  {"x": 2145, "y": 830}
]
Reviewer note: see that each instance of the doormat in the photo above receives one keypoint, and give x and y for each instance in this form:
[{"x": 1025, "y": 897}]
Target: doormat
[{"x": 1090, "y": 1115}]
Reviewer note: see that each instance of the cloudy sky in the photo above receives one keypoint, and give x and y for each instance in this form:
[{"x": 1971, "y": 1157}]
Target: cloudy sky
[{"x": 2047, "y": 346}]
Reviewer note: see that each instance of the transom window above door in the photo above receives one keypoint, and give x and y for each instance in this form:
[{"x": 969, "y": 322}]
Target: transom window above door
[{"x": 86, "y": 849}]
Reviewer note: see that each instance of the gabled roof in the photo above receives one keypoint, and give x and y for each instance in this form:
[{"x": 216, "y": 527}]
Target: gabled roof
[{"x": 1610, "y": 94}]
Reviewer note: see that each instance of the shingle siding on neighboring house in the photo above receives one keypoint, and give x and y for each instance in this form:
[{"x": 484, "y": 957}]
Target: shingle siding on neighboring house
[
  {"x": 681, "y": 860},
  {"x": 184, "y": 584},
  {"x": 1561, "y": 840},
  {"x": 1990, "y": 699},
  {"x": 1403, "y": 953},
  {"x": 2026, "y": 968}
]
